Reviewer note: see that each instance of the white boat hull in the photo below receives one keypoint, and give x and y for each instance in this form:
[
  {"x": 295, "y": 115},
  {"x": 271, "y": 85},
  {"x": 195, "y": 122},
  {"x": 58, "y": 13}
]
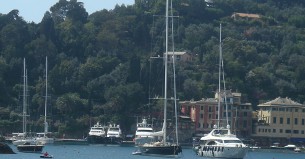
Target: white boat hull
[
  {"x": 45, "y": 140},
  {"x": 222, "y": 152},
  {"x": 144, "y": 140},
  {"x": 23, "y": 141}
]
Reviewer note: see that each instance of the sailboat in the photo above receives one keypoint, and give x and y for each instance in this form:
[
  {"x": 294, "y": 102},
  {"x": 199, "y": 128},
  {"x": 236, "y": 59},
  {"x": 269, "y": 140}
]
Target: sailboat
[
  {"x": 42, "y": 137},
  {"x": 220, "y": 142},
  {"x": 162, "y": 148},
  {"x": 23, "y": 138},
  {"x": 26, "y": 144}
]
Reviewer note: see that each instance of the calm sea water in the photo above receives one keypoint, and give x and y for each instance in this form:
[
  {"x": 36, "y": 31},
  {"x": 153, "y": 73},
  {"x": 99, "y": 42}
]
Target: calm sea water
[{"x": 124, "y": 152}]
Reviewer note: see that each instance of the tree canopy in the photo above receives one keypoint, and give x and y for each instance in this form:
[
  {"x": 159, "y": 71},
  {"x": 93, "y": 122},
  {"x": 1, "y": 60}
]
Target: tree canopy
[{"x": 100, "y": 66}]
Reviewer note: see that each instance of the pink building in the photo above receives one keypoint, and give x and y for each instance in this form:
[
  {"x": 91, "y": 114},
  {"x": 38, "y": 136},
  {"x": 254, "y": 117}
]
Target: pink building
[{"x": 205, "y": 112}]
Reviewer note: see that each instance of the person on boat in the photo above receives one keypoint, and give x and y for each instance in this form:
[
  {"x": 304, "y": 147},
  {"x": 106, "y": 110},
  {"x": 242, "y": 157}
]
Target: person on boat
[{"x": 46, "y": 154}]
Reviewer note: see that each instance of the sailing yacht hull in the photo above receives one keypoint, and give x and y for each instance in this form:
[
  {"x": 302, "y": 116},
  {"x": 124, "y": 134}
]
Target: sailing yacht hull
[
  {"x": 160, "y": 150},
  {"x": 143, "y": 140},
  {"x": 30, "y": 148}
]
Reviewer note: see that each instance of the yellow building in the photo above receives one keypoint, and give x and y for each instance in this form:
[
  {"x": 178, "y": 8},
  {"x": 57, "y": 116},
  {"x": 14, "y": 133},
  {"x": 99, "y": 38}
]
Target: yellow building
[{"x": 280, "y": 120}]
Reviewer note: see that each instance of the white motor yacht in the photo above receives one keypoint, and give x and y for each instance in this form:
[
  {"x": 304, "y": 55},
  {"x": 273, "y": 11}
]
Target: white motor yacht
[
  {"x": 221, "y": 143},
  {"x": 144, "y": 133},
  {"x": 98, "y": 130},
  {"x": 114, "y": 131}
]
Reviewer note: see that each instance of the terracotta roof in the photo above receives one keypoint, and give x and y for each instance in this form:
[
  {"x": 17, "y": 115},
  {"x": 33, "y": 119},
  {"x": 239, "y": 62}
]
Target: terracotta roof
[{"x": 281, "y": 102}]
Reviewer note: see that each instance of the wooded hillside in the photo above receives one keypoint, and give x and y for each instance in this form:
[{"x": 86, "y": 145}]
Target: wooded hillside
[{"x": 100, "y": 67}]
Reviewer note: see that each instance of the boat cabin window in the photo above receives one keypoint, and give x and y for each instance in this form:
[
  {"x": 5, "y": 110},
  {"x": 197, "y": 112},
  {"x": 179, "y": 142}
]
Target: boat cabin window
[
  {"x": 232, "y": 141},
  {"x": 144, "y": 130},
  {"x": 220, "y": 132},
  {"x": 144, "y": 125},
  {"x": 113, "y": 129},
  {"x": 211, "y": 143},
  {"x": 97, "y": 128}
]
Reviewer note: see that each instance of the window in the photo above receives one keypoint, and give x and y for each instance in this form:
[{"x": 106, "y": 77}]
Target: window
[
  {"x": 245, "y": 124},
  {"x": 281, "y": 130},
  {"x": 296, "y": 109},
  {"x": 303, "y": 121},
  {"x": 210, "y": 116},
  {"x": 210, "y": 109},
  {"x": 229, "y": 114},
  {"x": 198, "y": 125},
  {"x": 201, "y": 107},
  {"x": 296, "y": 131},
  {"x": 245, "y": 113},
  {"x": 296, "y": 121},
  {"x": 288, "y": 120},
  {"x": 302, "y": 132},
  {"x": 274, "y": 120},
  {"x": 201, "y": 116},
  {"x": 287, "y": 131},
  {"x": 281, "y": 120},
  {"x": 274, "y": 131}
]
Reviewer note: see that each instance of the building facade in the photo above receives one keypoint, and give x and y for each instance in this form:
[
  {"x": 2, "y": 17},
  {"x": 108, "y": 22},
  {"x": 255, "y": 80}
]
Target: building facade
[
  {"x": 205, "y": 112},
  {"x": 281, "y": 120},
  {"x": 180, "y": 57}
]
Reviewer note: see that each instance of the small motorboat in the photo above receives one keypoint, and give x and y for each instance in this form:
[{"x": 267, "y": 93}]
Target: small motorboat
[
  {"x": 297, "y": 149},
  {"x": 46, "y": 155},
  {"x": 49, "y": 156},
  {"x": 137, "y": 152}
]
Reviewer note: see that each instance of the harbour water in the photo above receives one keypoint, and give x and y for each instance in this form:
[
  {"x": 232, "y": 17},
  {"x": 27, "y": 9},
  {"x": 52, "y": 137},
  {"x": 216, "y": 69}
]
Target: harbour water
[{"x": 124, "y": 152}]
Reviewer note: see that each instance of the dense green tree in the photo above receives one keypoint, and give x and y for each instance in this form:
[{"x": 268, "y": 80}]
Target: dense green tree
[{"x": 100, "y": 67}]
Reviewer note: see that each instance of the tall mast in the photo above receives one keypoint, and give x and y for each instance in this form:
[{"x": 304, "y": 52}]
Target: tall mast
[
  {"x": 174, "y": 71},
  {"x": 46, "y": 100},
  {"x": 165, "y": 73},
  {"x": 223, "y": 79},
  {"x": 221, "y": 68},
  {"x": 219, "y": 75},
  {"x": 24, "y": 98}
]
